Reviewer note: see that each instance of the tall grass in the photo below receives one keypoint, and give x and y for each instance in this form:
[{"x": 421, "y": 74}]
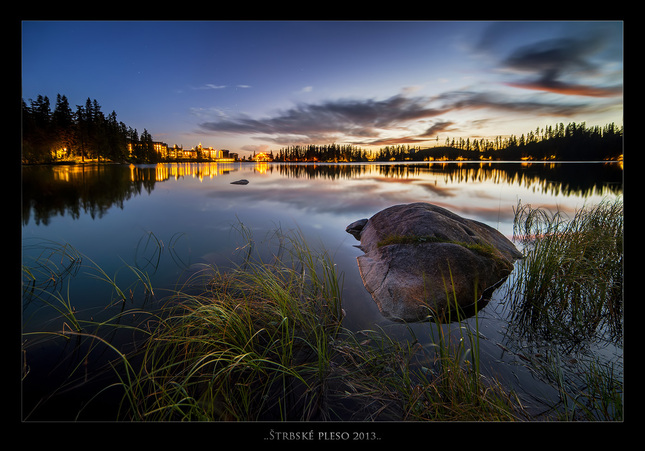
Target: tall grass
[
  {"x": 383, "y": 378},
  {"x": 570, "y": 283},
  {"x": 84, "y": 339},
  {"x": 44, "y": 276},
  {"x": 568, "y": 292},
  {"x": 263, "y": 340},
  {"x": 593, "y": 393},
  {"x": 254, "y": 345}
]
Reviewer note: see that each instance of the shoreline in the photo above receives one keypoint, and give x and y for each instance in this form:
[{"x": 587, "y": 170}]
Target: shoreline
[{"x": 82, "y": 163}]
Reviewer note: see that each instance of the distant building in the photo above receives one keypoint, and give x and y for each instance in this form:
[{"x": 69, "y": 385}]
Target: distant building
[
  {"x": 208, "y": 153},
  {"x": 175, "y": 152},
  {"x": 189, "y": 154},
  {"x": 161, "y": 149},
  {"x": 164, "y": 152},
  {"x": 263, "y": 157}
]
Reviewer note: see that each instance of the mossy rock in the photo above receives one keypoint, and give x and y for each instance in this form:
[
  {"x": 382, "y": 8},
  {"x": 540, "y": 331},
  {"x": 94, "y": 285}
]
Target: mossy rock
[{"x": 421, "y": 259}]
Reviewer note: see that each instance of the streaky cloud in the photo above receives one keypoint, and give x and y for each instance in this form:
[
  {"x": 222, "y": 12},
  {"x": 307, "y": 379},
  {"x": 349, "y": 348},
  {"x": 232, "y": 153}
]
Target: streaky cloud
[
  {"x": 558, "y": 87},
  {"x": 350, "y": 117},
  {"x": 435, "y": 129},
  {"x": 552, "y": 65},
  {"x": 367, "y": 121}
]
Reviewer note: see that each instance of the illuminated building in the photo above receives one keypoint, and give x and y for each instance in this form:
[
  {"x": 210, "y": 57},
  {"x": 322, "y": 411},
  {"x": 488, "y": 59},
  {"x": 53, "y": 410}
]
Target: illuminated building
[
  {"x": 262, "y": 157},
  {"x": 161, "y": 149}
]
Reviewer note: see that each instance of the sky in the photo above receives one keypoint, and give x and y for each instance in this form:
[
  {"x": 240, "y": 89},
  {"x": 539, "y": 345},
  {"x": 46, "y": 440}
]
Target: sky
[{"x": 251, "y": 86}]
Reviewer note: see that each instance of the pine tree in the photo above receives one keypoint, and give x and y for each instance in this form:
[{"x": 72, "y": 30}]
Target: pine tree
[{"x": 63, "y": 126}]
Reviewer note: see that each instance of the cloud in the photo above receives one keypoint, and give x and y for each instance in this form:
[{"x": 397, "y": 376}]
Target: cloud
[
  {"x": 551, "y": 61},
  {"x": 437, "y": 128},
  {"x": 471, "y": 100},
  {"x": 558, "y": 65},
  {"x": 558, "y": 87},
  {"x": 575, "y": 72},
  {"x": 358, "y": 118},
  {"x": 206, "y": 113},
  {"x": 552, "y": 57},
  {"x": 208, "y": 86},
  {"x": 372, "y": 122},
  {"x": 431, "y": 132}
]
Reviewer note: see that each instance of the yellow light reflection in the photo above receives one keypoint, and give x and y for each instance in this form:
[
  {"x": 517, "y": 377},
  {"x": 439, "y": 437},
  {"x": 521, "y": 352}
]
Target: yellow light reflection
[
  {"x": 261, "y": 167},
  {"x": 200, "y": 171}
]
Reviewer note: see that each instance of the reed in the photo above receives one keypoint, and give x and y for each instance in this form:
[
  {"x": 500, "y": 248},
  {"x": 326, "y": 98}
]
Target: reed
[
  {"x": 254, "y": 345},
  {"x": 568, "y": 292},
  {"x": 593, "y": 392},
  {"x": 44, "y": 276},
  {"x": 51, "y": 320},
  {"x": 569, "y": 285},
  {"x": 263, "y": 340},
  {"x": 381, "y": 378},
  {"x": 453, "y": 388}
]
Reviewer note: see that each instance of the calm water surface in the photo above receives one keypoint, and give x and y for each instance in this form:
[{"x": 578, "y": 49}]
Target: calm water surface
[{"x": 168, "y": 219}]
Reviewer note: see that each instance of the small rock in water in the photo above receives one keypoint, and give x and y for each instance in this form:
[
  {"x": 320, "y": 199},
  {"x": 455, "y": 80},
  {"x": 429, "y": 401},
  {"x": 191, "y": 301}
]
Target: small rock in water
[{"x": 240, "y": 182}]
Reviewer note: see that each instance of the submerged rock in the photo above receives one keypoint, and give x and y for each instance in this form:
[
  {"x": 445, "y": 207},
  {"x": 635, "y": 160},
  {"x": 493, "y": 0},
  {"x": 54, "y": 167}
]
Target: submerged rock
[{"x": 419, "y": 257}]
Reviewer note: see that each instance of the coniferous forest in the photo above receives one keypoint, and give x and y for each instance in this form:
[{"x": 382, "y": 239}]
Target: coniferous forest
[
  {"x": 83, "y": 133},
  {"x": 87, "y": 133},
  {"x": 573, "y": 142}
]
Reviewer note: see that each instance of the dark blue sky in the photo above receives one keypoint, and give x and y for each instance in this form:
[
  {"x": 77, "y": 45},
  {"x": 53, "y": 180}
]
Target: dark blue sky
[{"x": 262, "y": 85}]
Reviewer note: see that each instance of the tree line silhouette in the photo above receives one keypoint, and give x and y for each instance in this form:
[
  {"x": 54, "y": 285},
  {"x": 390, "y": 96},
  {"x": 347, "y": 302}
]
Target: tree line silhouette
[
  {"x": 575, "y": 142},
  {"x": 87, "y": 133}
]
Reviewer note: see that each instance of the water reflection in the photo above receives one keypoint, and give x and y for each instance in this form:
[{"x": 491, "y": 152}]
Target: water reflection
[
  {"x": 189, "y": 210},
  {"x": 72, "y": 190},
  {"x": 93, "y": 189},
  {"x": 547, "y": 178},
  {"x": 199, "y": 170}
]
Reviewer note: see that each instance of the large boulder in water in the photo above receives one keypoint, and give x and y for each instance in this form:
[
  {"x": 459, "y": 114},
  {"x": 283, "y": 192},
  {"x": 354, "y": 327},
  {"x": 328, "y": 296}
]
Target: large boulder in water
[{"x": 420, "y": 260}]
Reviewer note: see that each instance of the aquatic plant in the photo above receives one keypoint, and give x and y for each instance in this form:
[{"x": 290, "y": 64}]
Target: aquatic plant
[
  {"x": 254, "y": 344},
  {"x": 567, "y": 295},
  {"x": 570, "y": 282},
  {"x": 264, "y": 341}
]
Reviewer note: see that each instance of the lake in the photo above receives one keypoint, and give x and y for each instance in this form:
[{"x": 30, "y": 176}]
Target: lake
[{"x": 169, "y": 219}]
